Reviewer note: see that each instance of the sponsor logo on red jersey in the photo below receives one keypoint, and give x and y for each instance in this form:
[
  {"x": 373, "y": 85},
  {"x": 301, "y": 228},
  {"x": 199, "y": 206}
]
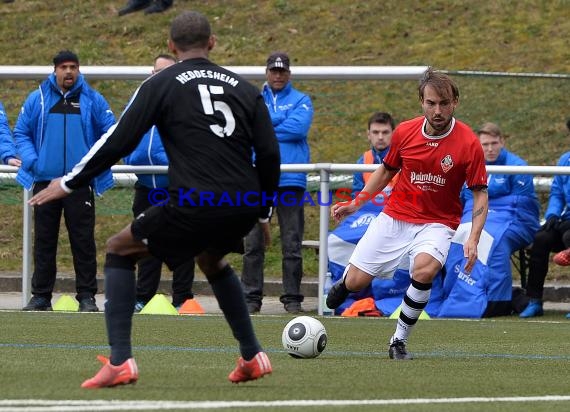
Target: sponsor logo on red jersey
[{"x": 427, "y": 178}]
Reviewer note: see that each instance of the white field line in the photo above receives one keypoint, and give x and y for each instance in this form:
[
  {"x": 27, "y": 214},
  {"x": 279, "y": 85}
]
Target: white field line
[{"x": 37, "y": 405}]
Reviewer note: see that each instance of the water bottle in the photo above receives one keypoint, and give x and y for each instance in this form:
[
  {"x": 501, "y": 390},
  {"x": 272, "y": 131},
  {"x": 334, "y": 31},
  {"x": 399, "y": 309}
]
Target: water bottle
[{"x": 326, "y": 287}]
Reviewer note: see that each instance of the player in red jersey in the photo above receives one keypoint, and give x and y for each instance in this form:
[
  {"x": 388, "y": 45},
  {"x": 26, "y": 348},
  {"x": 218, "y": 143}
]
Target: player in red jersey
[{"x": 435, "y": 155}]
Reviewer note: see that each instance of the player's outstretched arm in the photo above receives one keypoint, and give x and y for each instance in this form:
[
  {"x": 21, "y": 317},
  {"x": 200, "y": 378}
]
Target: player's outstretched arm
[{"x": 377, "y": 182}]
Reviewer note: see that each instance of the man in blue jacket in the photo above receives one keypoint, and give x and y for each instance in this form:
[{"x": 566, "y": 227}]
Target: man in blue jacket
[
  {"x": 149, "y": 191},
  {"x": 292, "y": 115},
  {"x": 8, "y": 154},
  {"x": 380, "y": 128},
  {"x": 58, "y": 124},
  {"x": 512, "y": 221},
  {"x": 553, "y": 236}
]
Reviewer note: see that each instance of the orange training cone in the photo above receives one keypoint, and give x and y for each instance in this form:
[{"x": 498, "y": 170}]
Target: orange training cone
[{"x": 191, "y": 307}]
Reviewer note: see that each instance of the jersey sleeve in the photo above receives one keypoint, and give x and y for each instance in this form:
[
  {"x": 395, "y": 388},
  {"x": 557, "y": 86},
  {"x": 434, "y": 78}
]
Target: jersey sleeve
[
  {"x": 476, "y": 169},
  {"x": 266, "y": 147}
]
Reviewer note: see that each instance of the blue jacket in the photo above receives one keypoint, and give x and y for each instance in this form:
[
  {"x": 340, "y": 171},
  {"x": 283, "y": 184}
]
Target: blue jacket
[
  {"x": 29, "y": 132},
  {"x": 7, "y": 145},
  {"x": 559, "y": 199},
  {"x": 358, "y": 178},
  {"x": 149, "y": 152},
  {"x": 511, "y": 189},
  {"x": 506, "y": 184},
  {"x": 291, "y": 114}
]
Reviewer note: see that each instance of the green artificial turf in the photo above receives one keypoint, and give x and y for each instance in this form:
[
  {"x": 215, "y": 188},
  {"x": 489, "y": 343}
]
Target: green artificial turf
[{"x": 46, "y": 356}]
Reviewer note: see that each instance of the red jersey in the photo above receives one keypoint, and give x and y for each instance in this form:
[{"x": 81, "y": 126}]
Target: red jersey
[{"x": 433, "y": 170}]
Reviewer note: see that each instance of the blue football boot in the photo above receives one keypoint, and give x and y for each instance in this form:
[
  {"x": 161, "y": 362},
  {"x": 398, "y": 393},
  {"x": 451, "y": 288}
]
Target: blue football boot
[{"x": 534, "y": 308}]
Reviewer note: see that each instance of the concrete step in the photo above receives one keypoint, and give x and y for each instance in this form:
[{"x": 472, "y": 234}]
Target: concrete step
[{"x": 12, "y": 282}]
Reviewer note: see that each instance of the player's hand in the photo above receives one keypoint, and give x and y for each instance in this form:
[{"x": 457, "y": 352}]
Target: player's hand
[
  {"x": 265, "y": 228},
  {"x": 14, "y": 161},
  {"x": 343, "y": 209},
  {"x": 52, "y": 192},
  {"x": 470, "y": 253}
]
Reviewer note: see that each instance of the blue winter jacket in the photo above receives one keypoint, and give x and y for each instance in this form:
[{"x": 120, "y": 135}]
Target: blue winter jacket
[
  {"x": 7, "y": 145},
  {"x": 291, "y": 114},
  {"x": 559, "y": 199},
  {"x": 29, "y": 132},
  {"x": 511, "y": 194},
  {"x": 149, "y": 152}
]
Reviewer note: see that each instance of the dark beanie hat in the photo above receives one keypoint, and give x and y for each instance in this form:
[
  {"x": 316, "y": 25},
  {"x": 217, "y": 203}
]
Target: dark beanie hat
[{"x": 65, "y": 56}]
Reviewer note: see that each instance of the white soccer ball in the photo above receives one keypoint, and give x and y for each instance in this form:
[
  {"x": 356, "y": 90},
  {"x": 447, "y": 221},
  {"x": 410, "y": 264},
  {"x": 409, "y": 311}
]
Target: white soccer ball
[{"x": 304, "y": 337}]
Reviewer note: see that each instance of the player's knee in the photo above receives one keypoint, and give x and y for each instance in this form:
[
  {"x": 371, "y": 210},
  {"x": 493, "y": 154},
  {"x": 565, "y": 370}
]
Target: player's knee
[
  {"x": 356, "y": 279},
  {"x": 115, "y": 245},
  {"x": 210, "y": 265},
  {"x": 424, "y": 275}
]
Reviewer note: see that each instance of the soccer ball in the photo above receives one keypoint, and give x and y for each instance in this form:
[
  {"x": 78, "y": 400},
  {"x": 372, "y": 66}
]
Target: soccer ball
[{"x": 304, "y": 337}]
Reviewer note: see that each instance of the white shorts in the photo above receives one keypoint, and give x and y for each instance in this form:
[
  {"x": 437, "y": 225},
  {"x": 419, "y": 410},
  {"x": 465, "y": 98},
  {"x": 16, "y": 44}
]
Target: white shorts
[{"x": 389, "y": 244}]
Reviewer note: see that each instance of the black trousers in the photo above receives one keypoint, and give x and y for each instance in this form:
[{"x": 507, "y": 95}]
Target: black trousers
[
  {"x": 149, "y": 268},
  {"x": 553, "y": 240},
  {"x": 79, "y": 215},
  {"x": 291, "y": 219}
]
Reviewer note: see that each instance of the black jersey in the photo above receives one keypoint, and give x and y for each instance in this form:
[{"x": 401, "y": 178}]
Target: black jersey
[{"x": 211, "y": 122}]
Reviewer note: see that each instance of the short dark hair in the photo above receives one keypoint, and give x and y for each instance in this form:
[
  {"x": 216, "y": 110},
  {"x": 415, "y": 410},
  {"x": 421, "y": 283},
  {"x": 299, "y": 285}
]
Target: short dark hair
[
  {"x": 441, "y": 82},
  {"x": 167, "y": 57},
  {"x": 383, "y": 118},
  {"x": 63, "y": 56},
  {"x": 189, "y": 30}
]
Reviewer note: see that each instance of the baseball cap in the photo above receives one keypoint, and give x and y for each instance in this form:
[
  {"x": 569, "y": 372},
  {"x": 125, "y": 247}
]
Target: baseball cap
[
  {"x": 278, "y": 60},
  {"x": 65, "y": 56}
]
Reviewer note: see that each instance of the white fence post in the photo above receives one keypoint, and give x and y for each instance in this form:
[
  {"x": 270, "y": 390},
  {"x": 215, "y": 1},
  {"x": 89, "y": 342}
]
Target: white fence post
[
  {"x": 324, "y": 208},
  {"x": 26, "y": 249}
]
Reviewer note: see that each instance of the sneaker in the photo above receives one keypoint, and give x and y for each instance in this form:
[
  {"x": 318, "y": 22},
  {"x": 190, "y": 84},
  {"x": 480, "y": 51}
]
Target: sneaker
[
  {"x": 398, "y": 350},
  {"x": 110, "y": 375},
  {"x": 293, "y": 307},
  {"x": 337, "y": 294},
  {"x": 88, "y": 305},
  {"x": 562, "y": 258},
  {"x": 568, "y": 315},
  {"x": 534, "y": 308},
  {"x": 256, "y": 368},
  {"x": 253, "y": 307},
  {"x": 38, "y": 303},
  {"x": 139, "y": 306}
]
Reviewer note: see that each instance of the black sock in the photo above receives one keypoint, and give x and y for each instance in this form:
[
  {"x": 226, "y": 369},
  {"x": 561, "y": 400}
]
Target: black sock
[
  {"x": 415, "y": 300},
  {"x": 120, "y": 296},
  {"x": 229, "y": 293}
]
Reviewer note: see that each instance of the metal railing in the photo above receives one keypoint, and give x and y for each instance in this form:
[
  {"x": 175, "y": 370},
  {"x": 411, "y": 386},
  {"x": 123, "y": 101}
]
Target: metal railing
[{"x": 248, "y": 72}]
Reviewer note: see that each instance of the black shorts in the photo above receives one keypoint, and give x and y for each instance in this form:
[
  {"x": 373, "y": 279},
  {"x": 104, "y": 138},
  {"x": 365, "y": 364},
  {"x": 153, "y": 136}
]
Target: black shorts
[{"x": 175, "y": 237}]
